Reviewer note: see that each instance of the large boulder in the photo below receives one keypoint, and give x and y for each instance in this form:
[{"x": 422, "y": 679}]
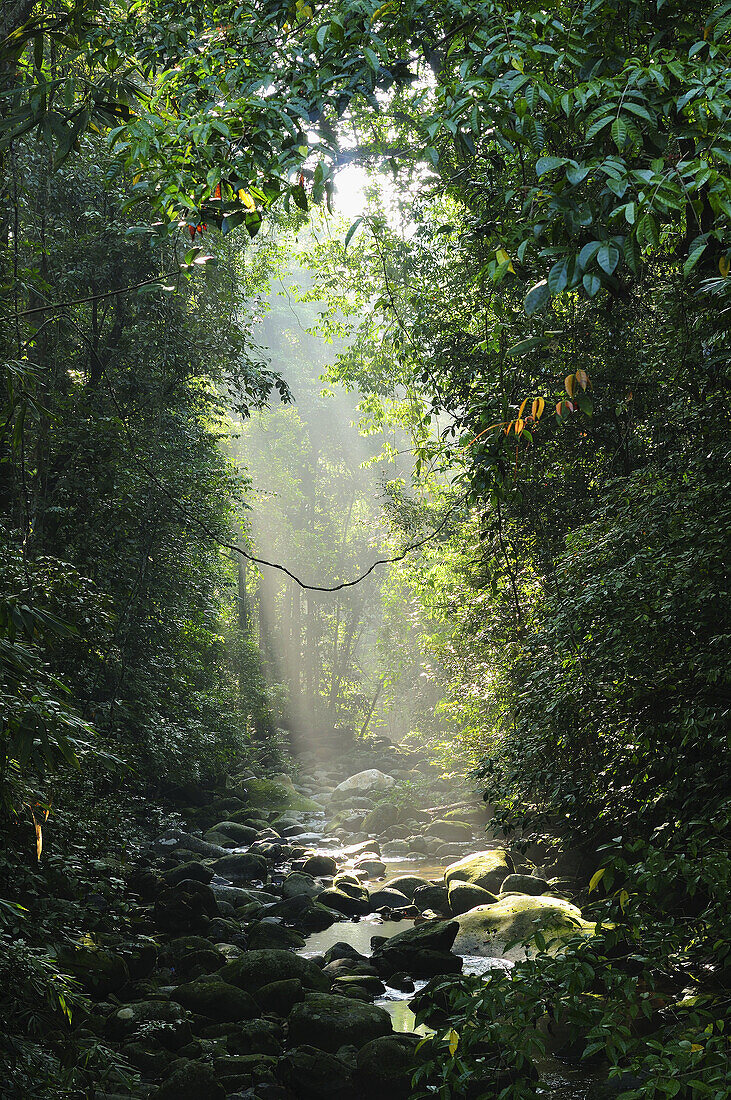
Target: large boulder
[
  {"x": 258, "y": 968},
  {"x": 485, "y": 869},
  {"x": 369, "y": 780},
  {"x": 99, "y": 971},
  {"x": 407, "y": 884},
  {"x": 298, "y": 883},
  {"x": 385, "y": 1066},
  {"x": 345, "y": 903},
  {"x": 524, "y": 884},
  {"x": 278, "y": 796},
  {"x": 421, "y": 951},
  {"x": 450, "y": 830},
  {"x": 242, "y": 867},
  {"x": 192, "y": 1081},
  {"x": 167, "y": 1017},
  {"x": 382, "y": 817},
  {"x": 235, "y": 830},
  {"x": 315, "y": 1074},
  {"x": 490, "y": 929},
  {"x": 192, "y": 955},
  {"x": 191, "y": 869},
  {"x": 217, "y": 1000},
  {"x": 432, "y": 897},
  {"x": 329, "y": 1022},
  {"x": 320, "y": 864},
  {"x": 463, "y": 896},
  {"x": 185, "y": 907}
]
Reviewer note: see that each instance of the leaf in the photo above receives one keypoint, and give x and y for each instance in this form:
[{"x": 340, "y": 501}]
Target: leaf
[
  {"x": 503, "y": 258},
  {"x": 592, "y": 285},
  {"x": 588, "y": 253},
  {"x": 558, "y": 276},
  {"x": 300, "y": 197},
  {"x": 570, "y": 384},
  {"x": 520, "y": 410},
  {"x": 537, "y": 297},
  {"x": 724, "y": 266},
  {"x": 349, "y": 235},
  {"x": 519, "y": 425},
  {"x": 608, "y": 257},
  {"x": 537, "y": 408},
  {"x": 576, "y": 173},
  {"x": 697, "y": 249},
  {"x": 548, "y": 164},
  {"x": 453, "y": 1042},
  {"x": 620, "y": 133},
  {"x": 582, "y": 378},
  {"x": 246, "y": 199},
  {"x": 596, "y": 878}
]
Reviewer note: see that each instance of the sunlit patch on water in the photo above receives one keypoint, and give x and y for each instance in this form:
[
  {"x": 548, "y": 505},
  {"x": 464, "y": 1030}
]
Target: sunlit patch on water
[{"x": 357, "y": 934}]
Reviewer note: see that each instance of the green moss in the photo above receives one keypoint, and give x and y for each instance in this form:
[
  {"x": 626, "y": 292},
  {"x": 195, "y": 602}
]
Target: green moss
[{"x": 266, "y": 794}]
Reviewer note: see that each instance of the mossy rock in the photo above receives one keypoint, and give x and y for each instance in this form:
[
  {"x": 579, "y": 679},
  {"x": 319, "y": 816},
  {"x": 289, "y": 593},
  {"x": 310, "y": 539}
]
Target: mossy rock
[
  {"x": 316, "y": 1074},
  {"x": 524, "y": 884},
  {"x": 98, "y": 970},
  {"x": 192, "y": 1081},
  {"x": 258, "y": 968},
  {"x": 385, "y": 1066},
  {"x": 279, "y": 998},
  {"x": 490, "y": 929},
  {"x": 329, "y": 1022},
  {"x": 485, "y": 869},
  {"x": 464, "y": 896},
  {"x": 267, "y": 794},
  {"x": 217, "y": 1000}
]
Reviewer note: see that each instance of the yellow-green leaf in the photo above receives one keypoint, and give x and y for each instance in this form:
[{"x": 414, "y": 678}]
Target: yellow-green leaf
[
  {"x": 453, "y": 1042},
  {"x": 596, "y": 879}
]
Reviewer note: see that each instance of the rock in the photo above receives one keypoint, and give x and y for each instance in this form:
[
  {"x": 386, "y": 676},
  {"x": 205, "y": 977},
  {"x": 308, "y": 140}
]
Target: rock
[
  {"x": 242, "y": 867},
  {"x": 196, "y": 845},
  {"x": 344, "y": 903},
  {"x": 329, "y": 1022},
  {"x": 370, "y": 780},
  {"x": 407, "y": 884},
  {"x": 279, "y": 998},
  {"x": 464, "y": 896},
  {"x": 485, "y": 869},
  {"x": 281, "y": 796},
  {"x": 313, "y": 1073},
  {"x": 265, "y": 935},
  {"x": 370, "y": 985},
  {"x": 487, "y": 929},
  {"x": 367, "y": 847},
  {"x": 388, "y": 898},
  {"x": 316, "y": 918},
  {"x": 342, "y": 950},
  {"x": 320, "y": 864},
  {"x": 450, "y": 830},
  {"x": 235, "y": 830},
  {"x": 524, "y": 884},
  {"x": 256, "y": 1037},
  {"x": 238, "y": 1072},
  {"x": 140, "y": 957},
  {"x": 239, "y": 896},
  {"x": 422, "y": 951},
  {"x": 166, "y": 1016},
  {"x": 187, "y": 954},
  {"x": 217, "y": 1000},
  {"x": 258, "y": 968},
  {"x": 187, "y": 905},
  {"x": 192, "y": 1081},
  {"x": 382, "y": 817},
  {"x": 300, "y": 883},
  {"x": 99, "y": 971},
  {"x": 193, "y": 870},
  {"x": 385, "y": 1066},
  {"x": 432, "y": 897},
  {"x": 373, "y": 868}
]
